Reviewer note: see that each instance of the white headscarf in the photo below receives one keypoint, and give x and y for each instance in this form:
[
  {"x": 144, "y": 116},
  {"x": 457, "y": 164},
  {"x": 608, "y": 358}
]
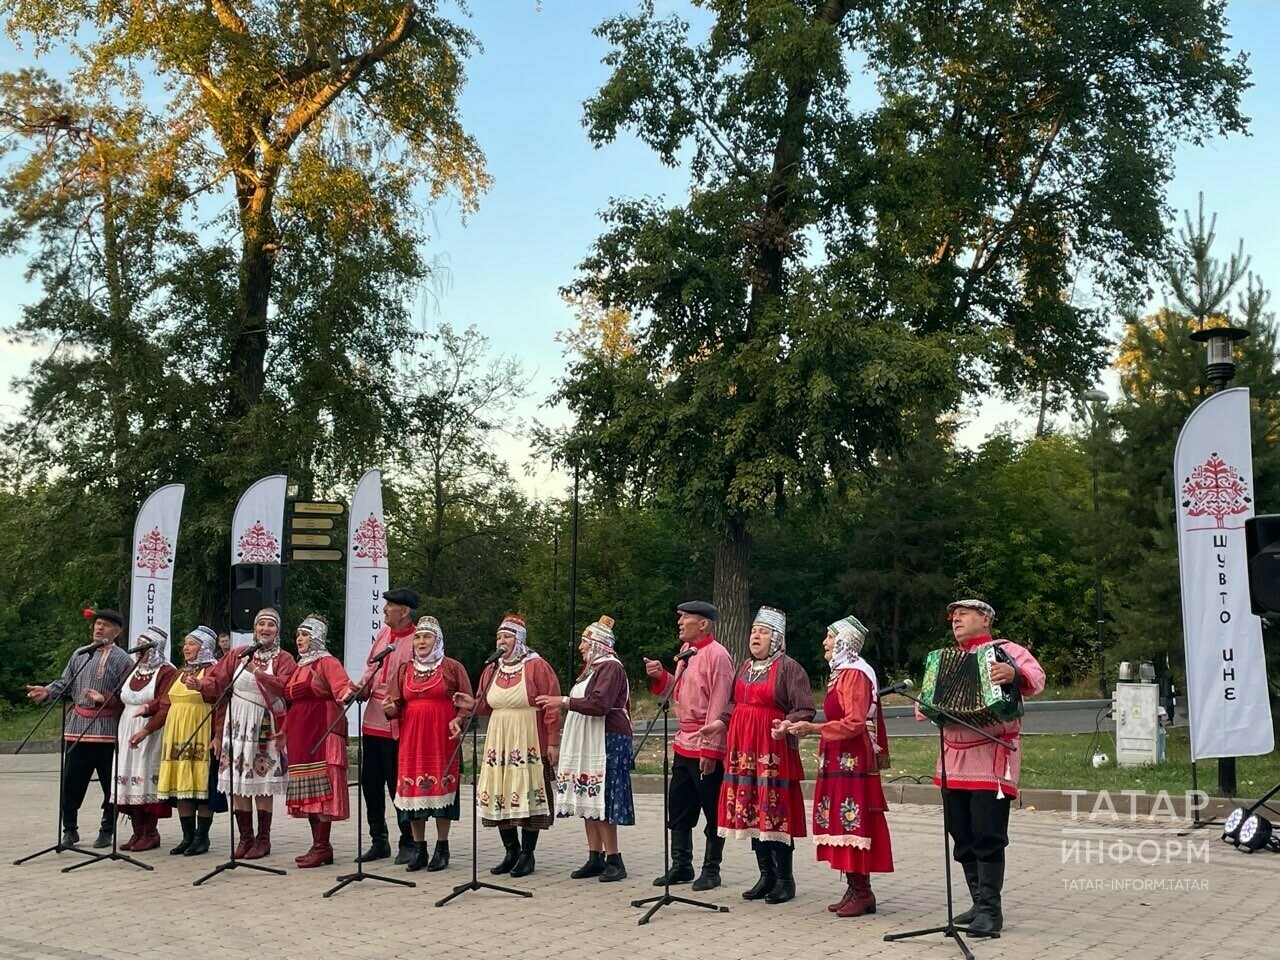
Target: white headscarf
[
  {"x": 429, "y": 624},
  {"x": 317, "y": 630}
]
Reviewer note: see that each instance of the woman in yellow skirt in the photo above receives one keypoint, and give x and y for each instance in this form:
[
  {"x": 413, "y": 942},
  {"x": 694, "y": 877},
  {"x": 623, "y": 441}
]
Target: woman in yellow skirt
[{"x": 187, "y": 763}]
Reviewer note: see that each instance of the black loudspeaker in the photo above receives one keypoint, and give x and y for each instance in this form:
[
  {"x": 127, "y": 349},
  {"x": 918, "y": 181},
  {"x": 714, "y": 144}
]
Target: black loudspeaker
[
  {"x": 254, "y": 586},
  {"x": 1262, "y": 541}
]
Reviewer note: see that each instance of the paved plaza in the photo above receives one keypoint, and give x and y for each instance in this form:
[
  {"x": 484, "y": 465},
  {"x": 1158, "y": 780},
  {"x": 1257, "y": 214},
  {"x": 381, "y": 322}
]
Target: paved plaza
[{"x": 1131, "y": 904}]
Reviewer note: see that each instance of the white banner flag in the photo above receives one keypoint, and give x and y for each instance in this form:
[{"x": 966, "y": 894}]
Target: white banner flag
[
  {"x": 257, "y": 529},
  {"x": 1226, "y": 670},
  {"x": 155, "y": 550},
  {"x": 367, "y": 573}
]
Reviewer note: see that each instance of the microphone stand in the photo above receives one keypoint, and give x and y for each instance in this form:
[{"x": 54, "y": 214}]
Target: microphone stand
[
  {"x": 115, "y": 853},
  {"x": 666, "y": 898},
  {"x": 949, "y": 929},
  {"x": 63, "y": 750},
  {"x": 474, "y": 728},
  {"x": 232, "y": 863},
  {"x": 346, "y": 879}
]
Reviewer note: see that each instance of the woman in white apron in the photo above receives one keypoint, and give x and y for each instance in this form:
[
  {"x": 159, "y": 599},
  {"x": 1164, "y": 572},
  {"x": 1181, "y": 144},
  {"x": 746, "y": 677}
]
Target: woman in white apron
[{"x": 138, "y": 768}]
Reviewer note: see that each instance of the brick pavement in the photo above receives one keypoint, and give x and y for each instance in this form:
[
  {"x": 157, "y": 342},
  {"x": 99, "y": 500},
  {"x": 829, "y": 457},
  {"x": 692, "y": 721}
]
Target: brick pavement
[{"x": 112, "y": 911}]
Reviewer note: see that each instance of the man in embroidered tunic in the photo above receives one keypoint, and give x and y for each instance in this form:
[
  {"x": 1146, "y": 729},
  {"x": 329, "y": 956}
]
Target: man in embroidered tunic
[
  {"x": 380, "y": 736},
  {"x": 982, "y": 777},
  {"x": 701, "y": 686},
  {"x": 91, "y": 680}
]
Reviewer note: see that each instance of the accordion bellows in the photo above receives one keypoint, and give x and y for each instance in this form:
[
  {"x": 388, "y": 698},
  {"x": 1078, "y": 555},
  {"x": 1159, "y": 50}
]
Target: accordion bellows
[{"x": 959, "y": 682}]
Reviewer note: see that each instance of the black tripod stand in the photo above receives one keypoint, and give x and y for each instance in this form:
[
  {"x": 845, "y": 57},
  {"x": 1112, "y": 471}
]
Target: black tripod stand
[
  {"x": 949, "y": 929},
  {"x": 473, "y": 728},
  {"x": 63, "y": 750},
  {"x": 346, "y": 879},
  {"x": 115, "y": 853},
  {"x": 232, "y": 863},
  {"x": 665, "y": 898}
]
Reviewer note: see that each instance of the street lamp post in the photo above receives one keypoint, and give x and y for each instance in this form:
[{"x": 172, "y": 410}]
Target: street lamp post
[{"x": 1096, "y": 402}]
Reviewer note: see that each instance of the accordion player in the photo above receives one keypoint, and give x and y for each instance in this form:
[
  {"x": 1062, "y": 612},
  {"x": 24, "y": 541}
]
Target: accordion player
[{"x": 959, "y": 682}]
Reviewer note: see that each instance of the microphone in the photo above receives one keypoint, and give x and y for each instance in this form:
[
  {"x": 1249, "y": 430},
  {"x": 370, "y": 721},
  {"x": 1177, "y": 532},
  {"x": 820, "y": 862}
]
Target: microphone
[
  {"x": 497, "y": 655},
  {"x": 382, "y": 655},
  {"x": 140, "y": 647},
  {"x": 898, "y": 687},
  {"x": 89, "y": 647},
  {"x": 251, "y": 650},
  {"x": 685, "y": 655}
]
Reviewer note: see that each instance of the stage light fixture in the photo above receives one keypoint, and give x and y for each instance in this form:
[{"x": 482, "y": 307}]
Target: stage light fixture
[
  {"x": 1231, "y": 826},
  {"x": 1255, "y": 833}
]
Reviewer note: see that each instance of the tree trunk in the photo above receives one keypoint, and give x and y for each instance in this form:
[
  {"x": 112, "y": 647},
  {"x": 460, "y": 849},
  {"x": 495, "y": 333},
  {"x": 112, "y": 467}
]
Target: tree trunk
[{"x": 731, "y": 589}]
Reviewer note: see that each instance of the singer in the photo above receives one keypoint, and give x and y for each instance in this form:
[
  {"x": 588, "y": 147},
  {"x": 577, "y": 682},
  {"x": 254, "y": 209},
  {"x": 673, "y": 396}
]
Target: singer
[
  {"x": 138, "y": 769},
  {"x": 251, "y": 765},
  {"x": 849, "y": 826},
  {"x": 702, "y": 689},
  {"x": 522, "y": 746},
  {"x": 95, "y": 731},
  {"x": 982, "y": 778}
]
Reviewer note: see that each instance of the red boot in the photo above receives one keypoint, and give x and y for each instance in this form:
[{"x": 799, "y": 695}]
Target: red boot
[
  {"x": 136, "y": 820},
  {"x": 862, "y": 901},
  {"x": 312, "y": 820},
  {"x": 262, "y": 843},
  {"x": 848, "y": 894},
  {"x": 244, "y": 820},
  {"x": 150, "y": 835},
  {"x": 321, "y": 852}
]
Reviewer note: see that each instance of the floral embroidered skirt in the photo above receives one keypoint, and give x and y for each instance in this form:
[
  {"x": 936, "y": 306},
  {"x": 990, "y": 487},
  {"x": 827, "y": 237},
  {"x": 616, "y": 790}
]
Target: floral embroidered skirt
[
  {"x": 760, "y": 797},
  {"x": 251, "y": 764},
  {"x": 849, "y": 825},
  {"x": 515, "y": 785}
]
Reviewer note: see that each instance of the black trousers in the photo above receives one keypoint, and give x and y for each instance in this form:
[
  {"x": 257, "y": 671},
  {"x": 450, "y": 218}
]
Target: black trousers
[
  {"x": 83, "y": 761},
  {"x": 691, "y": 794},
  {"x": 380, "y": 758},
  {"x": 979, "y": 825}
]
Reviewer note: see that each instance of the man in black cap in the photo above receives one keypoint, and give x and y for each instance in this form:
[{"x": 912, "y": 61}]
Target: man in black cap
[
  {"x": 90, "y": 738},
  {"x": 701, "y": 688},
  {"x": 380, "y": 736}
]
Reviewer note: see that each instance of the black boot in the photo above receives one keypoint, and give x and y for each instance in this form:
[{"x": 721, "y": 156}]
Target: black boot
[
  {"x": 511, "y": 841},
  {"x": 970, "y": 878},
  {"x": 439, "y": 857},
  {"x": 709, "y": 878},
  {"x": 201, "y": 842},
  {"x": 592, "y": 868},
  {"x": 421, "y": 857},
  {"x": 990, "y": 919},
  {"x": 614, "y": 869},
  {"x": 188, "y": 835},
  {"x": 405, "y": 850},
  {"x": 105, "y": 829},
  {"x": 70, "y": 831},
  {"x": 785, "y": 888},
  {"x": 768, "y": 872},
  {"x": 379, "y": 848},
  {"x": 528, "y": 843},
  {"x": 681, "y": 859}
]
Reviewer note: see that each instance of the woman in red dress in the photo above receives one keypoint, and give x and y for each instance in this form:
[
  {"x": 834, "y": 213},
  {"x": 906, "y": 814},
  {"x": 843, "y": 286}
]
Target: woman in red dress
[
  {"x": 849, "y": 825},
  {"x": 316, "y": 693},
  {"x": 760, "y": 797},
  {"x": 421, "y": 695}
]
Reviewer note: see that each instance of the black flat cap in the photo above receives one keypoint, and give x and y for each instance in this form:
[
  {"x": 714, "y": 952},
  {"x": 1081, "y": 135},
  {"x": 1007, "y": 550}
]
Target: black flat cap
[
  {"x": 405, "y": 596},
  {"x": 111, "y": 616},
  {"x": 699, "y": 608}
]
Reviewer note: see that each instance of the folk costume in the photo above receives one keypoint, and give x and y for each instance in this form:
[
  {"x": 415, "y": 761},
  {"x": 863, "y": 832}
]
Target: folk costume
[
  {"x": 252, "y": 760},
  {"x": 514, "y": 792},
  {"x": 317, "y": 769},
  {"x": 594, "y": 776},
  {"x": 982, "y": 780},
  {"x": 760, "y": 798},
  {"x": 700, "y": 690},
  {"x": 380, "y": 735},
  {"x": 188, "y": 774},
  {"x": 138, "y": 768},
  {"x": 420, "y": 696},
  {"x": 90, "y": 737},
  {"x": 849, "y": 825}
]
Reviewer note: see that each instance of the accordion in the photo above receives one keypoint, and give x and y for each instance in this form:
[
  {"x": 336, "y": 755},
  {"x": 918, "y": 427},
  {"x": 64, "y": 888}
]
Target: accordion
[{"x": 959, "y": 682}]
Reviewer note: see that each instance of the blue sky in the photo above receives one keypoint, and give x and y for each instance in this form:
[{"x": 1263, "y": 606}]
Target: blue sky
[{"x": 501, "y": 270}]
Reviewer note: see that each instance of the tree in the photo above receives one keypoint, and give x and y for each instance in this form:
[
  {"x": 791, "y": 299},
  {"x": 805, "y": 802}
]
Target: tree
[{"x": 833, "y": 265}]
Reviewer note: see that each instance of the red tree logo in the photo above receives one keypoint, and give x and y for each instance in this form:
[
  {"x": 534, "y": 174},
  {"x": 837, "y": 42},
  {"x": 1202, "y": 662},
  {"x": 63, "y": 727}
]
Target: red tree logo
[
  {"x": 155, "y": 553},
  {"x": 370, "y": 540},
  {"x": 258, "y": 545},
  {"x": 1215, "y": 489}
]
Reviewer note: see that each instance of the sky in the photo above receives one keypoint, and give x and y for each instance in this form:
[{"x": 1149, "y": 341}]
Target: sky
[{"x": 501, "y": 270}]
